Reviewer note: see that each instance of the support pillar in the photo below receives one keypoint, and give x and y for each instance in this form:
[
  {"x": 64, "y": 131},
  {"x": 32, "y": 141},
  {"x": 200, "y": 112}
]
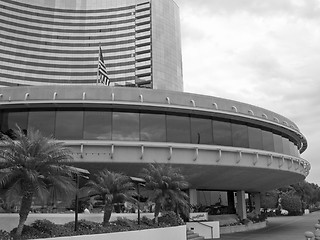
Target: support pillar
[
  {"x": 241, "y": 204},
  {"x": 257, "y": 203}
]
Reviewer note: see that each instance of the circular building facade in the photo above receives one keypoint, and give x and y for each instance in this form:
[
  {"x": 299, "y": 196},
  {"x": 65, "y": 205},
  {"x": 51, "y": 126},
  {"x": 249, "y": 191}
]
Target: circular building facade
[{"x": 218, "y": 144}]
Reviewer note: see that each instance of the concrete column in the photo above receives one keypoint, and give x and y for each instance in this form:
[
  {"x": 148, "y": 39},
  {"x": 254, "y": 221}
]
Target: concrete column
[
  {"x": 193, "y": 198},
  {"x": 241, "y": 204},
  {"x": 257, "y": 203}
]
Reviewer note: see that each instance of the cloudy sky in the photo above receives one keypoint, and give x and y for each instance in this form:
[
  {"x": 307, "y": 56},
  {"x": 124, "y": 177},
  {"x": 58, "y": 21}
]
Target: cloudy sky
[{"x": 265, "y": 53}]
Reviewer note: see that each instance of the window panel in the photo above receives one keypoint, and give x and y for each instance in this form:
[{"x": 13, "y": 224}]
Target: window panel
[
  {"x": 267, "y": 140},
  {"x": 278, "y": 144},
  {"x": 42, "y": 121},
  {"x": 97, "y": 125},
  {"x": 178, "y": 129},
  {"x": 152, "y": 127},
  {"x": 286, "y": 146},
  {"x": 125, "y": 126},
  {"x": 201, "y": 131},
  {"x": 10, "y": 120},
  {"x": 69, "y": 125},
  {"x": 255, "y": 138},
  {"x": 240, "y": 135},
  {"x": 222, "y": 134}
]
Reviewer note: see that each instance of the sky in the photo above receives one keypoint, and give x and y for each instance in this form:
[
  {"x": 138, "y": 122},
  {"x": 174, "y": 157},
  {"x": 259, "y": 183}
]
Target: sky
[{"x": 265, "y": 53}]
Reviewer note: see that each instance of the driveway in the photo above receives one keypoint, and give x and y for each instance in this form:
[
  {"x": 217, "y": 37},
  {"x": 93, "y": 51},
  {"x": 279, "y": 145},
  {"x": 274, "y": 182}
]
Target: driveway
[{"x": 280, "y": 228}]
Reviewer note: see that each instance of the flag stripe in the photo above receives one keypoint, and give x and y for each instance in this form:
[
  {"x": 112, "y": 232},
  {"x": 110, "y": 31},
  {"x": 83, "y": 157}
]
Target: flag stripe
[{"x": 102, "y": 69}]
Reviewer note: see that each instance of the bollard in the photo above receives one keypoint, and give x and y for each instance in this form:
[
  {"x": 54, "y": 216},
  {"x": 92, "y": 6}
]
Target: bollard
[{"x": 309, "y": 235}]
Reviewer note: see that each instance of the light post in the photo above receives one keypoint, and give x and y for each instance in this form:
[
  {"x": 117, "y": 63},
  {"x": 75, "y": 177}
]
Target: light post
[
  {"x": 79, "y": 172},
  {"x": 139, "y": 182}
]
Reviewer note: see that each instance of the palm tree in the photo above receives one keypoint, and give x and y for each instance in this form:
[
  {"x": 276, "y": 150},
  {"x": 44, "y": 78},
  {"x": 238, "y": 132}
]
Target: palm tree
[
  {"x": 32, "y": 166},
  {"x": 113, "y": 188},
  {"x": 166, "y": 184}
]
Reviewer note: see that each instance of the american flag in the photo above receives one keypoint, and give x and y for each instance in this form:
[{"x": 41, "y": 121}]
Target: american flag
[{"x": 102, "y": 75}]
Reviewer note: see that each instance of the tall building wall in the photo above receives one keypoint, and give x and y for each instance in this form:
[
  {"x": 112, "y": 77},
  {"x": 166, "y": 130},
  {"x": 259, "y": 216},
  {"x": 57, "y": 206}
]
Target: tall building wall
[{"x": 56, "y": 42}]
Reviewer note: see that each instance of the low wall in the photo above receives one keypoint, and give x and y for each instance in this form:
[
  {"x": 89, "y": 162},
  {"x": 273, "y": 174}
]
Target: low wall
[
  {"x": 8, "y": 221},
  {"x": 208, "y": 230},
  {"x": 176, "y": 233},
  {"x": 242, "y": 228}
]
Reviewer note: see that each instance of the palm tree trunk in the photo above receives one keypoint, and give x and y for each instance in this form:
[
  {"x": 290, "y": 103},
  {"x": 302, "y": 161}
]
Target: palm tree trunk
[
  {"x": 107, "y": 213},
  {"x": 23, "y": 213},
  {"x": 156, "y": 212}
]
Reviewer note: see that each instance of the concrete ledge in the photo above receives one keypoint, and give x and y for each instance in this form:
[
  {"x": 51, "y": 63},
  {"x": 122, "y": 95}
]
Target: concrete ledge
[
  {"x": 176, "y": 233},
  {"x": 242, "y": 228}
]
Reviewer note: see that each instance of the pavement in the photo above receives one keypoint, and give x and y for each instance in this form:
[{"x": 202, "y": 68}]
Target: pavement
[{"x": 280, "y": 228}]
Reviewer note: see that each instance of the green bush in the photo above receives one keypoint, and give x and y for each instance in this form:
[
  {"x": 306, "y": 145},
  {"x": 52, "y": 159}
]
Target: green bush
[
  {"x": 4, "y": 235},
  {"x": 292, "y": 204},
  {"x": 170, "y": 219}
]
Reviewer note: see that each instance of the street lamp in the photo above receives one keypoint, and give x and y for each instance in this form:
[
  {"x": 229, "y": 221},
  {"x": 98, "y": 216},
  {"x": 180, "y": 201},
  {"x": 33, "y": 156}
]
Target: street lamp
[
  {"x": 139, "y": 182},
  {"x": 79, "y": 172}
]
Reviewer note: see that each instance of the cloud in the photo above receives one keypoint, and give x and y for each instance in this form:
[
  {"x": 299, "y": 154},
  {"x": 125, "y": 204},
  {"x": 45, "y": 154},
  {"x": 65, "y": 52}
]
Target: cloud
[{"x": 265, "y": 53}]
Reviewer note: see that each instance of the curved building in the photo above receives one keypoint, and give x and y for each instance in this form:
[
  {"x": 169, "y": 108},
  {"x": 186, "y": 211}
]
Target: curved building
[
  {"x": 219, "y": 144},
  {"x": 57, "y": 42}
]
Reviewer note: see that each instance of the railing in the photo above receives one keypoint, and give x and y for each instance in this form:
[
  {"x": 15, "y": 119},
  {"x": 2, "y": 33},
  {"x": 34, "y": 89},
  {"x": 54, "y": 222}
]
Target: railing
[{"x": 203, "y": 224}]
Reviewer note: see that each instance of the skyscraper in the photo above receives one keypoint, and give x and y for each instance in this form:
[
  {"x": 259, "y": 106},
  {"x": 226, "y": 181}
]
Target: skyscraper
[{"x": 57, "y": 42}]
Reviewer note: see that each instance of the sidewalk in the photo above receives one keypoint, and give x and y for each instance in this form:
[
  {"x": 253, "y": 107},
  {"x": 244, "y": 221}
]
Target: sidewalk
[{"x": 280, "y": 228}]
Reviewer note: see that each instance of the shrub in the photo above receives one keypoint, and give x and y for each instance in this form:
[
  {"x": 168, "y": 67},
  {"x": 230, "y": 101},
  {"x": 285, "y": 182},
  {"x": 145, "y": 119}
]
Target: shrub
[
  {"x": 292, "y": 204},
  {"x": 4, "y": 235},
  {"x": 170, "y": 219},
  {"x": 147, "y": 221},
  {"x": 44, "y": 226}
]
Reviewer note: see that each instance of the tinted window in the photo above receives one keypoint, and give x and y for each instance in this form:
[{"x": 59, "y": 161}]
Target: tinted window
[
  {"x": 267, "y": 140},
  {"x": 97, "y": 125},
  {"x": 278, "y": 144},
  {"x": 11, "y": 119},
  {"x": 286, "y": 146},
  {"x": 201, "y": 131},
  {"x": 152, "y": 127},
  {"x": 222, "y": 133},
  {"x": 255, "y": 138},
  {"x": 240, "y": 135},
  {"x": 178, "y": 129},
  {"x": 69, "y": 125},
  {"x": 125, "y": 126},
  {"x": 42, "y": 121}
]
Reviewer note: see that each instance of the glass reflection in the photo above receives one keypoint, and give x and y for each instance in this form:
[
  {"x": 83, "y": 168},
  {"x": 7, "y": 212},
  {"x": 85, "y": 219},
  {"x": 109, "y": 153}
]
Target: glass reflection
[
  {"x": 201, "y": 131},
  {"x": 222, "y": 133},
  {"x": 267, "y": 140},
  {"x": 69, "y": 125},
  {"x": 286, "y": 147},
  {"x": 42, "y": 121},
  {"x": 125, "y": 126},
  {"x": 240, "y": 135},
  {"x": 178, "y": 129},
  {"x": 97, "y": 125},
  {"x": 278, "y": 144},
  {"x": 255, "y": 138},
  {"x": 10, "y": 121},
  {"x": 152, "y": 127}
]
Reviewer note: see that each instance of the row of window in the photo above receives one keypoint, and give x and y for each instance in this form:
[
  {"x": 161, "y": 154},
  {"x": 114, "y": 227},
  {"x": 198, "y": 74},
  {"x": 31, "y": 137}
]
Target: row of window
[
  {"x": 81, "y": 37},
  {"x": 71, "y": 10},
  {"x": 77, "y": 24},
  {"x": 69, "y": 16},
  {"x": 145, "y": 126}
]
